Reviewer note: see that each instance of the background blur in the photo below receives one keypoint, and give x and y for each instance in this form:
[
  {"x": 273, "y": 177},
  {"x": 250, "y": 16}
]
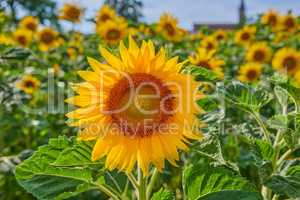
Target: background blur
[{"x": 187, "y": 11}]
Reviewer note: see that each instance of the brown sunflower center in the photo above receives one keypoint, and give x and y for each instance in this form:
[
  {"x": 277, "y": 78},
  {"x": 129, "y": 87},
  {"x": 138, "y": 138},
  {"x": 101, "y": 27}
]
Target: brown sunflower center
[
  {"x": 104, "y": 17},
  {"x": 220, "y": 37},
  {"x": 140, "y": 104},
  {"x": 252, "y": 74},
  {"x": 245, "y": 36},
  {"x": 47, "y": 37},
  {"x": 272, "y": 20},
  {"x": 113, "y": 34},
  {"x": 204, "y": 63},
  {"x": 259, "y": 55},
  {"x": 31, "y": 26},
  {"x": 73, "y": 13},
  {"x": 289, "y": 22},
  {"x": 290, "y": 63},
  {"x": 29, "y": 84},
  {"x": 22, "y": 40},
  {"x": 209, "y": 46},
  {"x": 170, "y": 29}
]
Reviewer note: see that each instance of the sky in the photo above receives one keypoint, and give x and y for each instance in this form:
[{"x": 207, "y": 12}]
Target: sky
[{"x": 189, "y": 12}]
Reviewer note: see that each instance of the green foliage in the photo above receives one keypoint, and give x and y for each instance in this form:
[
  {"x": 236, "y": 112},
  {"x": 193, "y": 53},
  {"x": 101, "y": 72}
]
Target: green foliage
[
  {"x": 245, "y": 97},
  {"x": 163, "y": 194},
  {"x": 60, "y": 170},
  {"x": 201, "y": 73},
  {"x": 202, "y": 181}
]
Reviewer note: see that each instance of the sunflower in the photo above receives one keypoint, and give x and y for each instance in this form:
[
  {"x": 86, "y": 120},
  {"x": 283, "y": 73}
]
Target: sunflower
[
  {"x": 289, "y": 23},
  {"x": 48, "y": 39},
  {"x": 131, "y": 116},
  {"x": 113, "y": 31},
  {"x": 71, "y": 12},
  {"x": 250, "y": 72},
  {"x": 28, "y": 84},
  {"x": 105, "y": 13},
  {"x": 30, "y": 23},
  {"x": 6, "y": 40},
  {"x": 259, "y": 52},
  {"x": 281, "y": 36},
  {"x": 271, "y": 18},
  {"x": 209, "y": 43},
  {"x": 196, "y": 36},
  {"x": 245, "y": 35},
  {"x": 286, "y": 60},
  {"x": 146, "y": 30},
  {"x": 22, "y": 37},
  {"x": 220, "y": 34},
  {"x": 168, "y": 27},
  {"x": 207, "y": 59}
]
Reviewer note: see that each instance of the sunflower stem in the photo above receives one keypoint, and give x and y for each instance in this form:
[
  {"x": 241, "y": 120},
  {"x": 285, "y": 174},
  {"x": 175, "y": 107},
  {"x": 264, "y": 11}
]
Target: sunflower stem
[
  {"x": 133, "y": 181},
  {"x": 152, "y": 182},
  {"x": 262, "y": 125},
  {"x": 108, "y": 192},
  {"x": 142, "y": 186}
]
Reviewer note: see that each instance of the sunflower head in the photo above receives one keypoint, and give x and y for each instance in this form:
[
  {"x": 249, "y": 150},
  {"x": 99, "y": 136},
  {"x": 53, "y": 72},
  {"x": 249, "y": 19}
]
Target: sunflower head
[
  {"x": 138, "y": 115},
  {"x": 28, "y": 84},
  {"x": 245, "y": 35},
  {"x": 30, "y": 23},
  {"x": 210, "y": 43},
  {"x": 286, "y": 60},
  {"x": 168, "y": 27},
  {"x": 22, "y": 37},
  {"x": 197, "y": 36},
  {"x": 207, "y": 59},
  {"x": 271, "y": 18},
  {"x": 6, "y": 40},
  {"x": 146, "y": 30},
  {"x": 71, "y": 12},
  {"x": 105, "y": 13},
  {"x": 48, "y": 39},
  {"x": 220, "y": 34},
  {"x": 113, "y": 31},
  {"x": 259, "y": 52},
  {"x": 289, "y": 23},
  {"x": 250, "y": 72}
]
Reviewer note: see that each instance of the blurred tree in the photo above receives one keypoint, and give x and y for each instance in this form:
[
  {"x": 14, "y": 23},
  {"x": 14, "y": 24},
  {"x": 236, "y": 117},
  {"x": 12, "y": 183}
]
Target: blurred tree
[
  {"x": 45, "y": 10},
  {"x": 131, "y": 9}
]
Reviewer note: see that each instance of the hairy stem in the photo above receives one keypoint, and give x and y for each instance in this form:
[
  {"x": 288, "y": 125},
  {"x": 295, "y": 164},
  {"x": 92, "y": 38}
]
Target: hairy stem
[
  {"x": 262, "y": 125},
  {"x": 142, "y": 186},
  {"x": 151, "y": 183}
]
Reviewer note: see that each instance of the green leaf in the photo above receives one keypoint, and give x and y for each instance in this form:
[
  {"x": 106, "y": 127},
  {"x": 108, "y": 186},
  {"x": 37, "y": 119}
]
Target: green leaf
[
  {"x": 278, "y": 122},
  {"x": 201, "y": 73},
  {"x": 202, "y": 180},
  {"x": 232, "y": 195},
  {"x": 16, "y": 53},
  {"x": 291, "y": 138},
  {"x": 245, "y": 97},
  {"x": 288, "y": 185},
  {"x": 163, "y": 194},
  {"x": 264, "y": 150},
  {"x": 208, "y": 103},
  {"x": 282, "y": 95},
  {"x": 39, "y": 175},
  {"x": 78, "y": 154}
]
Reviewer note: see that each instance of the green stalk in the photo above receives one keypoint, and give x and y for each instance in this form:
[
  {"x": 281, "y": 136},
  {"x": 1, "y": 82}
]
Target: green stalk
[
  {"x": 142, "y": 186},
  {"x": 152, "y": 183},
  {"x": 262, "y": 125},
  {"x": 133, "y": 181},
  {"x": 108, "y": 192}
]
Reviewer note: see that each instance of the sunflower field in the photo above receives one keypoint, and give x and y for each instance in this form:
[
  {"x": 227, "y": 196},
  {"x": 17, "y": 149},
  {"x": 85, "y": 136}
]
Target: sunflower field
[{"x": 149, "y": 111}]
